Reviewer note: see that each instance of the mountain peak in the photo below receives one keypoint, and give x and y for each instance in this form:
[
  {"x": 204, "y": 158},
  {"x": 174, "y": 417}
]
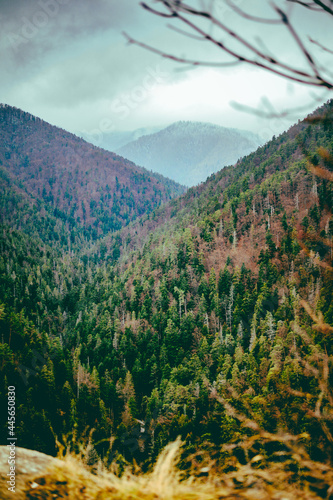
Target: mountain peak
[{"x": 189, "y": 151}]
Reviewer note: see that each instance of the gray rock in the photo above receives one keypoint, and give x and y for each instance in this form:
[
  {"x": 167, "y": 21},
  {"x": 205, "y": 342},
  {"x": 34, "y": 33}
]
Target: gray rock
[{"x": 29, "y": 464}]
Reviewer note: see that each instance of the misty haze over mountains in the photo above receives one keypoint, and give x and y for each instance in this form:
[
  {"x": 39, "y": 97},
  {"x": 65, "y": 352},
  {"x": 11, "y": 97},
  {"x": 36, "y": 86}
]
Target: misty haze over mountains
[
  {"x": 187, "y": 152},
  {"x": 112, "y": 141}
]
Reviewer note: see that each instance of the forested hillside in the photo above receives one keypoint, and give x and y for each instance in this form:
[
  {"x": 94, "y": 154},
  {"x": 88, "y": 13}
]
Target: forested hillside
[
  {"x": 221, "y": 297},
  {"x": 89, "y": 189}
]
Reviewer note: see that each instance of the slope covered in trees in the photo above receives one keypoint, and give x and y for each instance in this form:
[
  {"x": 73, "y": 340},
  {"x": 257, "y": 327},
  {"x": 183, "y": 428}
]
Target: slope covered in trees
[
  {"x": 220, "y": 297},
  {"x": 84, "y": 186}
]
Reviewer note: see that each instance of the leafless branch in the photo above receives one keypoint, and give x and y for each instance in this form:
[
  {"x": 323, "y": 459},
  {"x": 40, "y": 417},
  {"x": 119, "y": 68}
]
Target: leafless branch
[
  {"x": 325, "y": 7},
  {"x": 185, "y": 33},
  {"x": 180, "y": 59},
  {"x": 253, "y": 55},
  {"x": 309, "y": 58},
  {"x": 269, "y": 112}
]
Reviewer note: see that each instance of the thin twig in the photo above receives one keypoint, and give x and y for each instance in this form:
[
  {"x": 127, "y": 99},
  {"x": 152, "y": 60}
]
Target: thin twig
[
  {"x": 321, "y": 46},
  {"x": 245, "y": 15}
]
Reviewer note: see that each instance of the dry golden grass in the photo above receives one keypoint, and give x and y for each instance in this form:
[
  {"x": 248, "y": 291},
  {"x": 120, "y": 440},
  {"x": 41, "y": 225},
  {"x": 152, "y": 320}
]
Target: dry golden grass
[{"x": 71, "y": 479}]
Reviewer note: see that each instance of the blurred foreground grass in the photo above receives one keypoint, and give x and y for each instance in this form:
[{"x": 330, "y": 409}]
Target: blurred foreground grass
[{"x": 70, "y": 478}]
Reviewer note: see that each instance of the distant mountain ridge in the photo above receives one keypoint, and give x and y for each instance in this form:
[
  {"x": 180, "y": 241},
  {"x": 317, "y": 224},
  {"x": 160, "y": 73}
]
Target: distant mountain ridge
[
  {"x": 189, "y": 152},
  {"x": 112, "y": 141}
]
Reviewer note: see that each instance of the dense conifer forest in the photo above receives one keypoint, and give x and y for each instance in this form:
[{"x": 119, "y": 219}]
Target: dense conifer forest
[{"x": 126, "y": 325}]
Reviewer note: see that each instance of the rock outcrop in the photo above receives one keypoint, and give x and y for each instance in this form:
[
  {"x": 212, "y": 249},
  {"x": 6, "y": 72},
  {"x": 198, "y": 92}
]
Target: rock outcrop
[{"x": 29, "y": 465}]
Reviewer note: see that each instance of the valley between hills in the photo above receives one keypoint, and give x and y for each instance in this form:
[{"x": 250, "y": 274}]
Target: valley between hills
[{"x": 135, "y": 312}]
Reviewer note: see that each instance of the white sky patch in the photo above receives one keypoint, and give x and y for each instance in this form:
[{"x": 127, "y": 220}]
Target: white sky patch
[{"x": 206, "y": 95}]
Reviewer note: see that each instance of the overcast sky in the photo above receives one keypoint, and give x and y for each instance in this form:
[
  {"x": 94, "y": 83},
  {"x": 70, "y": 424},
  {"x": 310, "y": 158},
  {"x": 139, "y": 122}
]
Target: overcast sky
[{"x": 68, "y": 62}]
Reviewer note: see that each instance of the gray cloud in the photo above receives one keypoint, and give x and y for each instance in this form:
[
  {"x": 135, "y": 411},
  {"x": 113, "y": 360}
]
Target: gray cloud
[
  {"x": 66, "y": 60},
  {"x": 33, "y": 30}
]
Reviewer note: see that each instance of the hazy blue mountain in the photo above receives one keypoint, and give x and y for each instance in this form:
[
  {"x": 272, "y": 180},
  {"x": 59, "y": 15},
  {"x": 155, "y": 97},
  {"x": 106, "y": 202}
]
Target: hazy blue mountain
[{"x": 189, "y": 152}]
